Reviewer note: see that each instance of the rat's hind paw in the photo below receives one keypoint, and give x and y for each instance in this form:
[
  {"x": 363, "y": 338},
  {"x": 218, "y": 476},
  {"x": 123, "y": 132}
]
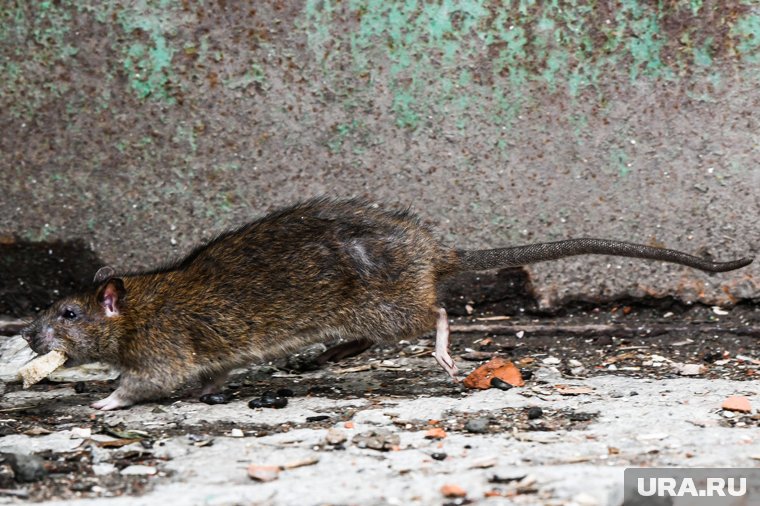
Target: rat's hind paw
[
  {"x": 441, "y": 352},
  {"x": 113, "y": 401}
]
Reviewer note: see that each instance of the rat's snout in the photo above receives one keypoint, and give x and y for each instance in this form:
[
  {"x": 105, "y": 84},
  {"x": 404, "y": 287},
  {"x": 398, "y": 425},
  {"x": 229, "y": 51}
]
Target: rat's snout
[
  {"x": 27, "y": 332},
  {"x": 39, "y": 341}
]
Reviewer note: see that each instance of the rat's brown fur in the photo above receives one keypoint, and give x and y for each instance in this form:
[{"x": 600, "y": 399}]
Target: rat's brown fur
[{"x": 316, "y": 270}]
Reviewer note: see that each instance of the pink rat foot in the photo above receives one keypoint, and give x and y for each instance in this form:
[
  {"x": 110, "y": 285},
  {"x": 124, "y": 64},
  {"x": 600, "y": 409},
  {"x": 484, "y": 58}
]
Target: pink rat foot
[
  {"x": 113, "y": 401},
  {"x": 441, "y": 352}
]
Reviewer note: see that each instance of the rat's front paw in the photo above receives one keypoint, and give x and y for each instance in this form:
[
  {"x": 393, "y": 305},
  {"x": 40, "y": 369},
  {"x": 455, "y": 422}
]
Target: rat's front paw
[{"x": 113, "y": 401}]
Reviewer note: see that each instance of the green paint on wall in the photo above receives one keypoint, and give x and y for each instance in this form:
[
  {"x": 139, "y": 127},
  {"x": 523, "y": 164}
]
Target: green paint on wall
[
  {"x": 33, "y": 36},
  {"x": 619, "y": 160},
  {"x": 148, "y": 66},
  {"x": 747, "y": 32},
  {"x": 434, "y": 50},
  {"x": 703, "y": 54}
]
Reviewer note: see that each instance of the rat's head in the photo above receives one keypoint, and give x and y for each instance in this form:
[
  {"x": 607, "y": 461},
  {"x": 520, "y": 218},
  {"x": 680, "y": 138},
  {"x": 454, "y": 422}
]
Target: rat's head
[{"x": 81, "y": 326}]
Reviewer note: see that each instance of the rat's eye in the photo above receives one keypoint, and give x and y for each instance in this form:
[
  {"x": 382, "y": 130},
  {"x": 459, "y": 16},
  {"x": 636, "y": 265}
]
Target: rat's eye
[{"x": 68, "y": 314}]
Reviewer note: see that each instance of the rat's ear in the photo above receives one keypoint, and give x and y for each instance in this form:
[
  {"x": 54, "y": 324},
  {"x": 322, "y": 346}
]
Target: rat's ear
[
  {"x": 111, "y": 296},
  {"x": 104, "y": 274}
]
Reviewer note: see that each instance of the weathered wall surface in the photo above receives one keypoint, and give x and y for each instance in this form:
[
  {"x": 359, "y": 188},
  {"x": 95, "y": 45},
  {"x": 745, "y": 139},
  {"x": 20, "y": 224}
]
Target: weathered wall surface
[{"x": 143, "y": 126}]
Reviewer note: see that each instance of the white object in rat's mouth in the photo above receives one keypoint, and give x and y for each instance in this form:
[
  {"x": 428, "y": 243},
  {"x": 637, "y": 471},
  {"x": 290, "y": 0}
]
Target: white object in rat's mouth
[{"x": 41, "y": 367}]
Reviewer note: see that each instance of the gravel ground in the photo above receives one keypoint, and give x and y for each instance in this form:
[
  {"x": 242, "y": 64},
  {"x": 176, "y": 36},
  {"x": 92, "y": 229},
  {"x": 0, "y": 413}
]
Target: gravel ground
[{"x": 605, "y": 389}]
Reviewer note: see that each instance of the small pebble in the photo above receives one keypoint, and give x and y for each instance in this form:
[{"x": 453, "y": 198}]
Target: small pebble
[
  {"x": 335, "y": 437},
  {"x": 438, "y": 456},
  {"x": 500, "y": 384},
  {"x": 551, "y": 361},
  {"x": 255, "y": 403},
  {"x": 26, "y": 468},
  {"x": 581, "y": 417},
  {"x": 526, "y": 374},
  {"x": 139, "y": 469},
  {"x": 81, "y": 432},
  {"x": 378, "y": 439},
  {"x": 263, "y": 473},
  {"x": 435, "y": 433},
  {"x": 633, "y": 392},
  {"x": 584, "y": 499},
  {"x": 691, "y": 370},
  {"x": 317, "y": 418},
  {"x": 451, "y": 490},
  {"x": 103, "y": 468},
  {"x": 236, "y": 433},
  {"x": 81, "y": 486},
  {"x": 213, "y": 399},
  {"x": 477, "y": 425},
  {"x": 274, "y": 402},
  {"x": 535, "y": 412}
]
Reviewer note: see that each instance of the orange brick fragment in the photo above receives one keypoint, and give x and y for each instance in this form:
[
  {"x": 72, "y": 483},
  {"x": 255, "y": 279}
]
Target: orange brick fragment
[
  {"x": 737, "y": 403},
  {"x": 450, "y": 490},
  {"x": 497, "y": 367},
  {"x": 435, "y": 433}
]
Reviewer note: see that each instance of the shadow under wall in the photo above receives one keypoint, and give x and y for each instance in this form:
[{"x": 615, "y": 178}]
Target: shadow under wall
[{"x": 35, "y": 274}]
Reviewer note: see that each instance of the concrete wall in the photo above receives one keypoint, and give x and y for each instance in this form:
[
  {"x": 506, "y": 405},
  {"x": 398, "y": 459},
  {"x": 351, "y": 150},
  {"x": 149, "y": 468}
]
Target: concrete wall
[{"x": 144, "y": 126}]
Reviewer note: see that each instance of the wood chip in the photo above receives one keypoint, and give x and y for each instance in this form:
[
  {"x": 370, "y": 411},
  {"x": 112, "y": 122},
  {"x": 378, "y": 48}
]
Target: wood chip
[
  {"x": 116, "y": 443},
  {"x": 308, "y": 461},
  {"x": 484, "y": 463},
  {"x": 37, "y": 431},
  {"x": 570, "y": 390}
]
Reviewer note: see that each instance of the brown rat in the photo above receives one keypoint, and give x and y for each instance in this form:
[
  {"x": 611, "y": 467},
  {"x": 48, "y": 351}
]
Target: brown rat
[{"x": 317, "y": 270}]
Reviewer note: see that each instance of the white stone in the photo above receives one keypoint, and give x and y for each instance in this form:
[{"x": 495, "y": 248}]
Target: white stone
[{"x": 139, "y": 469}]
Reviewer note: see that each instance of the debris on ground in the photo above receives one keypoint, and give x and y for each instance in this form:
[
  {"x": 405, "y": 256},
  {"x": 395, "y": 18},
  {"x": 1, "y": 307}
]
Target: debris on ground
[
  {"x": 380, "y": 439},
  {"x": 263, "y": 473},
  {"x": 564, "y": 437},
  {"x": 497, "y": 367},
  {"x": 737, "y": 403},
  {"x": 451, "y": 490}
]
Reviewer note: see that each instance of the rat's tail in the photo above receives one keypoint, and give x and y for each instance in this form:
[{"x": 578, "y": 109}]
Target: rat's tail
[{"x": 479, "y": 260}]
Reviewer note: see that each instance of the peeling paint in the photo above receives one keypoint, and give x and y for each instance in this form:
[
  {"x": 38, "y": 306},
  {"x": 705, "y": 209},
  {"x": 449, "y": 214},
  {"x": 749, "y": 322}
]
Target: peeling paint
[
  {"x": 432, "y": 49},
  {"x": 148, "y": 66}
]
